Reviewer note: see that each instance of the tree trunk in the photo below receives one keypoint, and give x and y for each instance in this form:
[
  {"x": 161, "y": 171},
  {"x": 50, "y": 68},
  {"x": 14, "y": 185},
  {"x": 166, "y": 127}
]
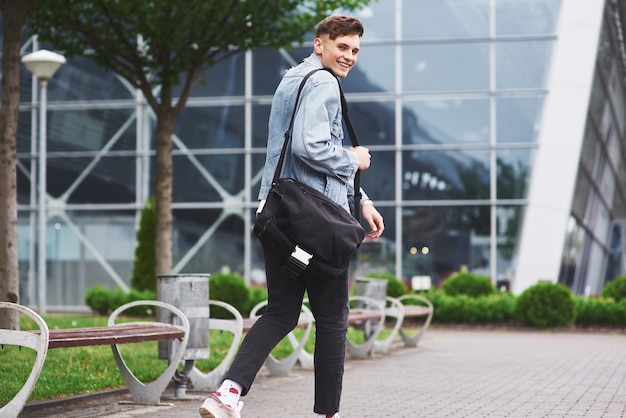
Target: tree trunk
[
  {"x": 14, "y": 15},
  {"x": 163, "y": 192}
]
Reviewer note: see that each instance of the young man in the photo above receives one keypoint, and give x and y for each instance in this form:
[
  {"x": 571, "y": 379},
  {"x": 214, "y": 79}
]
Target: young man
[{"x": 318, "y": 158}]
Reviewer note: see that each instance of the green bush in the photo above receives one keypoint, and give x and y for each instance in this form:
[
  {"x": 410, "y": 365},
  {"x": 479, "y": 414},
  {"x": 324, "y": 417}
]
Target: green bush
[
  {"x": 615, "y": 289},
  {"x": 100, "y": 299},
  {"x": 103, "y": 300},
  {"x": 448, "y": 308},
  {"x": 256, "y": 295},
  {"x": 546, "y": 305},
  {"x": 395, "y": 287},
  {"x": 467, "y": 310},
  {"x": 600, "y": 311},
  {"x": 470, "y": 284},
  {"x": 229, "y": 288}
]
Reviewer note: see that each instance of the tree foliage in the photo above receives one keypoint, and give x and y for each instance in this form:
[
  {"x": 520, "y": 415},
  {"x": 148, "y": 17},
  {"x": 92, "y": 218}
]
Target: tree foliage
[{"x": 159, "y": 45}]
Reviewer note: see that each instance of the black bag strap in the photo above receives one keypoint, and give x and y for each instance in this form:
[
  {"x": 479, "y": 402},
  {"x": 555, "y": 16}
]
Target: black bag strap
[{"x": 351, "y": 133}]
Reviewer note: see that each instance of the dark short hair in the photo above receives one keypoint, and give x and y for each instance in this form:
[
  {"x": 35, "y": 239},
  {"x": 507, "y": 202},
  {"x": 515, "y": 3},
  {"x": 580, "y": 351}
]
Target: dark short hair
[{"x": 335, "y": 26}]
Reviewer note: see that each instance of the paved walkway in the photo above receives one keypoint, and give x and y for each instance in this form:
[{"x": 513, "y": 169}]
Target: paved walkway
[{"x": 451, "y": 374}]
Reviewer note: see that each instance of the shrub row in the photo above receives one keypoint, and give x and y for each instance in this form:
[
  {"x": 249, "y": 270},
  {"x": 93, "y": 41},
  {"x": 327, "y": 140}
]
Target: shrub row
[{"x": 462, "y": 298}]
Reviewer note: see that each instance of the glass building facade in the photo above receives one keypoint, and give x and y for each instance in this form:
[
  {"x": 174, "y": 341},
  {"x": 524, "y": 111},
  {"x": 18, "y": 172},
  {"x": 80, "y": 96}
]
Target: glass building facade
[{"x": 451, "y": 96}]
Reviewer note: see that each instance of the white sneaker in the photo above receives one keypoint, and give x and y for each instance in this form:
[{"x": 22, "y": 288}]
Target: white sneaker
[{"x": 213, "y": 407}]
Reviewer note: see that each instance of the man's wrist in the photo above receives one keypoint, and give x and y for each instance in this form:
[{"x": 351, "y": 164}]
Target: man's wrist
[{"x": 367, "y": 202}]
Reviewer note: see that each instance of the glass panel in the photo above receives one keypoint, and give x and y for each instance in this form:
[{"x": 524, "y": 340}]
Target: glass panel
[
  {"x": 226, "y": 78},
  {"x": 109, "y": 235},
  {"x": 439, "y": 66},
  {"x": 211, "y": 127},
  {"x": 518, "y": 118},
  {"x": 379, "y": 180},
  {"x": 90, "y": 130},
  {"x": 260, "y": 119},
  {"x": 526, "y": 17},
  {"x": 378, "y": 256},
  {"x": 522, "y": 64},
  {"x": 373, "y": 122},
  {"x": 81, "y": 79},
  {"x": 509, "y": 221},
  {"x": 378, "y": 20},
  {"x": 269, "y": 66},
  {"x": 258, "y": 163},
  {"x": 513, "y": 173},
  {"x": 438, "y": 241},
  {"x": 571, "y": 262},
  {"x": 445, "y": 121},
  {"x": 221, "y": 249},
  {"x": 110, "y": 180},
  {"x": 444, "y": 18},
  {"x": 208, "y": 178},
  {"x": 23, "y": 181},
  {"x": 445, "y": 175},
  {"x": 374, "y": 71},
  {"x": 581, "y": 194},
  {"x": 616, "y": 248},
  {"x": 23, "y": 131}
]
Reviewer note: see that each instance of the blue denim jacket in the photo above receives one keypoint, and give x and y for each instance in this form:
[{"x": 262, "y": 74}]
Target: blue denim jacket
[{"x": 316, "y": 155}]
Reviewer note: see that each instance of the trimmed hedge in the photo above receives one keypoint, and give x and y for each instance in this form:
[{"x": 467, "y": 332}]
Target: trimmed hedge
[
  {"x": 465, "y": 309},
  {"x": 615, "y": 289},
  {"x": 470, "y": 284},
  {"x": 546, "y": 305},
  {"x": 229, "y": 288}
]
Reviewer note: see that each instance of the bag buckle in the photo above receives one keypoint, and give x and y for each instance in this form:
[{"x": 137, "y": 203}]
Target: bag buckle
[{"x": 297, "y": 263}]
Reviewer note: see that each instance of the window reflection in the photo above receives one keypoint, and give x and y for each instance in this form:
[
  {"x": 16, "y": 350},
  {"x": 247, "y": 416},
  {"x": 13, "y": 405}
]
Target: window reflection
[
  {"x": 518, "y": 119},
  {"x": 522, "y": 64},
  {"x": 460, "y": 66},
  {"x": 444, "y": 18},
  {"x": 453, "y": 237},
  {"x": 513, "y": 173},
  {"x": 211, "y": 127},
  {"x": 428, "y": 121},
  {"x": 445, "y": 175},
  {"x": 526, "y": 17}
]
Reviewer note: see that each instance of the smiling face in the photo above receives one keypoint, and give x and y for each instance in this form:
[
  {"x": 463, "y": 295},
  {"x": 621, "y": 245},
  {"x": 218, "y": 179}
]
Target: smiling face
[{"x": 339, "y": 54}]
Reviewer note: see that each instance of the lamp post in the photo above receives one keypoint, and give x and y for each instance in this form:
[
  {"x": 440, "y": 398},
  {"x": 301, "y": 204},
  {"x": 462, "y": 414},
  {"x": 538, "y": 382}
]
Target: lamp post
[{"x": 43, "y": 64}]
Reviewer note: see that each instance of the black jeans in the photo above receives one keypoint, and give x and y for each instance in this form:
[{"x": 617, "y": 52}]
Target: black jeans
[{"x": 328, "y": 297}]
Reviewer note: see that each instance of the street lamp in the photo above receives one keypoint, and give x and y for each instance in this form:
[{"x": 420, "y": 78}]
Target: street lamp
[{"x": 43, "y": 64}]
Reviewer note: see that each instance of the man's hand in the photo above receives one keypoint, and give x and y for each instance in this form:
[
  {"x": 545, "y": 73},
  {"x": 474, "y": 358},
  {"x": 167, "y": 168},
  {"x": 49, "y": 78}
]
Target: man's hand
[
  {"x": 364, "y": 156},
  {"x": 374, "y": 219}
]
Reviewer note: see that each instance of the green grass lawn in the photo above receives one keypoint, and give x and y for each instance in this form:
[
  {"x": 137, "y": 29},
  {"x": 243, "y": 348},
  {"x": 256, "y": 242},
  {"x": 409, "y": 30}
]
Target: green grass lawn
[{"x": 72, "y": 371}]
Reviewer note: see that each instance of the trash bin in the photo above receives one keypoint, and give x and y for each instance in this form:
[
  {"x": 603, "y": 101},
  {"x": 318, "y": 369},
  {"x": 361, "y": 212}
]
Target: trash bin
[
  {"x": 372, "y": 288},
  {"x": 190, "y": 294}
]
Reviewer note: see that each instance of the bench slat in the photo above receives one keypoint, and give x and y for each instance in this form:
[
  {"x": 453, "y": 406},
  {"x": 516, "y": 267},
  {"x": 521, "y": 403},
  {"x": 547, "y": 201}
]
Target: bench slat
[
  {"x": 412, "y": 310},
  {"x": 118, "y": 334}
]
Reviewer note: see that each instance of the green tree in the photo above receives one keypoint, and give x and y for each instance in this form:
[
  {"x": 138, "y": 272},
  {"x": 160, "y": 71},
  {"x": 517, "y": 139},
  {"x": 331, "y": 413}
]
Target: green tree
[
  {"x": 159, "y": 45},
  {"x": 144, "y": 275},
  {"x": 14, "y": 15}
]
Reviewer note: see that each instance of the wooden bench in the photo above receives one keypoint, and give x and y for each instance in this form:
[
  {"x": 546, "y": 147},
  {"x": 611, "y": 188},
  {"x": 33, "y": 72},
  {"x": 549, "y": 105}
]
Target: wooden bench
[{"x": 113, "y": 334}]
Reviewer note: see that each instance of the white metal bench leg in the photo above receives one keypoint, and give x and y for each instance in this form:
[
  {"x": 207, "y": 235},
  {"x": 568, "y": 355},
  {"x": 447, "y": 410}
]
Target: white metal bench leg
[
  {"x": 150, "y": 393},
  {"x": 282, "y": 367},
  {"x": 411, "y": 339},
  {"x": 211, "y": 381},
  {"x": 394, "y": 310},
  {"x": 37, "y": 342},
  {"x": 367, "y": 348}
]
